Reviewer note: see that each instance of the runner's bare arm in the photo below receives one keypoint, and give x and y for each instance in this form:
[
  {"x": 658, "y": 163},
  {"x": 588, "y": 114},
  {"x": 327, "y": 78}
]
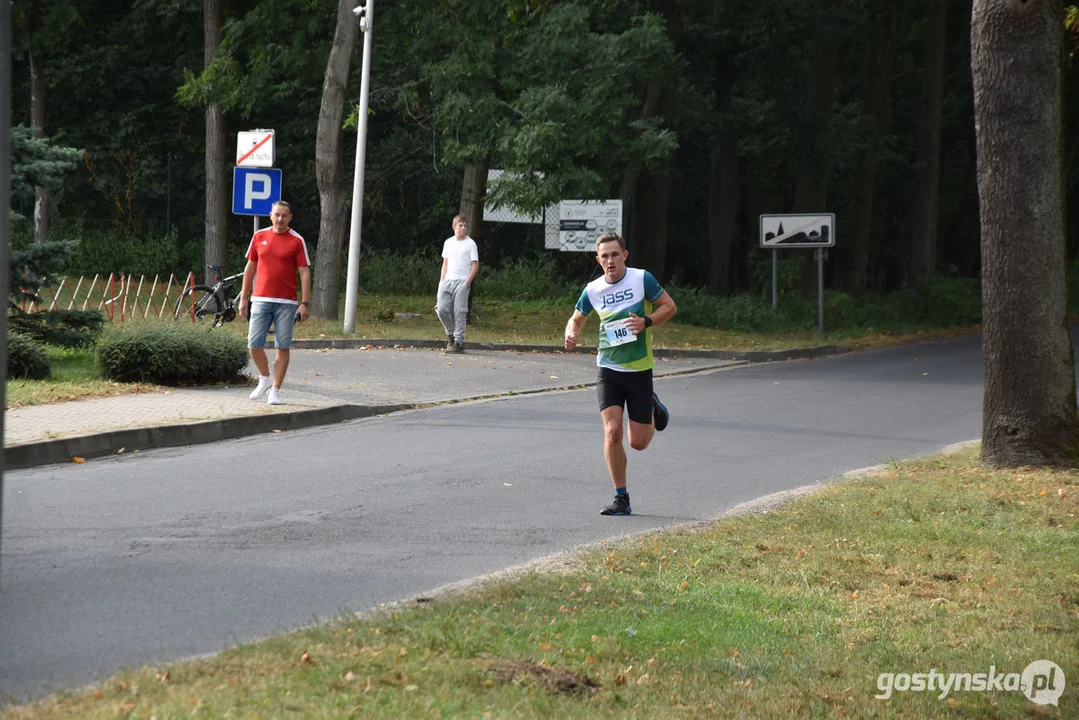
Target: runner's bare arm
[{"x": 573, "y": 329}]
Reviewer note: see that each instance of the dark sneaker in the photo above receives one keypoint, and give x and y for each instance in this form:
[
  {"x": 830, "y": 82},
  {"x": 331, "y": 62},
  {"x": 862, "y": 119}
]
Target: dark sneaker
[
  {"x": 451, "y": 346},
  {"x": 620, "y": 506},
  {"x": 659, "y": 413},
  {"x": 459, "y": 347}
]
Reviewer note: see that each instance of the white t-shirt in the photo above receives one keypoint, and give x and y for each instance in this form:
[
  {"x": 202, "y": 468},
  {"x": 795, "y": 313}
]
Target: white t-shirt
[{"x": 460, "y": 254}]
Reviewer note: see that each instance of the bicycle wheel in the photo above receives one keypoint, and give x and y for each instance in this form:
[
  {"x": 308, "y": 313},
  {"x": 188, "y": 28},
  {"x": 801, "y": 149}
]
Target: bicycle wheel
[{"x": 201, "y": 302}]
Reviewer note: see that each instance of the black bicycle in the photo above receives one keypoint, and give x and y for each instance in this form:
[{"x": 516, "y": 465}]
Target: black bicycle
[{"x": 216, "y": 305}]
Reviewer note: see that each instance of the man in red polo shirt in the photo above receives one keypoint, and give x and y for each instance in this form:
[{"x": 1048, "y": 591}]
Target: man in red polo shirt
[{"x": 274, "y": 258}]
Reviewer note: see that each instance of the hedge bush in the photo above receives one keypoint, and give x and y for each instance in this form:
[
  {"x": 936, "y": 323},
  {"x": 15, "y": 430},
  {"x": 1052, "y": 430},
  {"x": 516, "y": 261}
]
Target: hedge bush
[
  {"x": 26, "y": 358},
  {"x": 384, "y": 273},
  {"x": 62, "y": 328},
  {"x": 172, "y": 354},
  {"x": 946, "y": 302}
]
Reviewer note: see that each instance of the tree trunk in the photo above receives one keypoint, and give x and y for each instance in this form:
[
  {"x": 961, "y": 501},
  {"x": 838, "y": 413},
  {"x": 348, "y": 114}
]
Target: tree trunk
[
  {"x": 923, "y": 241},
  {"x": 646, "y": 197},
  {"x": 723, "y": 199},
  {"x": 37, "y": 124},
  {"x": 333, "y": 188},
  {"x": 653, "y": 201},
  {"x": 473, "y": 192},
  {"x": 1029, "y": 411},
  {"x": 636, "y": 205},
  {"x": 878, "y": 76},
  {"x": 217, "y": 205},
  {"x": 723, "y": 187},
  {"x": 814, "y": 168}
]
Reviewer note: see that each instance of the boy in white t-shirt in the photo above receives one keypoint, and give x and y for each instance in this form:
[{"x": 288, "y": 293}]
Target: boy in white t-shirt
[{"x": 460, "y": 262}]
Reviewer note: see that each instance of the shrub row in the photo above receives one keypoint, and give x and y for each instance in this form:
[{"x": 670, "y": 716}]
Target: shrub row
[
  {"x": 947, "y": 302},
  {"x": 26, "y": 358},
  {"x": 62, "y": 328},
  {"x": 384, "y": 273},
  {"x": 172, "y": 354}
]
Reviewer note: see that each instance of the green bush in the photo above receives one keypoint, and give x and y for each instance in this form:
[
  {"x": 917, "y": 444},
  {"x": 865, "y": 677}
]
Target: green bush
[
  {"x": 62, "y": 328},
  {"x": 946, "y": 302},
  {"x": 26, "y": 358},
  {"x": 112, "y": 251},
  {"x": 172, "y": 354},
  {"x": 383, "y": 273},
  {"x": 951, "y": 302},
  {"x": 737, "y": 313},
  {"x": 535, "y": 277}
]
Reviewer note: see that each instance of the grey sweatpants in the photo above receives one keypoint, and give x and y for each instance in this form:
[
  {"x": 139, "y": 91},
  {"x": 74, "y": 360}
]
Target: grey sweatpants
[{"x": 452, "y": 307}]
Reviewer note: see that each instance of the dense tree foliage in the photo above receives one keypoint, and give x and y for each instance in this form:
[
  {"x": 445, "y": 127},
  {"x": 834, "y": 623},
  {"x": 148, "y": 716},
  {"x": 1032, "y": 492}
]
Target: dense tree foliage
[{"x": 700, "y": 114}]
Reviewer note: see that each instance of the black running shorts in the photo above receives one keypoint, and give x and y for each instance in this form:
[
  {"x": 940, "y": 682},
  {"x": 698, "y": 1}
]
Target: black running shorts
[{"x": 631, "y": 390}]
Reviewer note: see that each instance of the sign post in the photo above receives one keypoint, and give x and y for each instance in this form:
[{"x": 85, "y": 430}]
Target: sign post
[
  {"x": 580, "y": 222},
  {"x": 799, "y": 231},
  {"x": 366, "y": 16},
  {"x": 254, "y": 149}
]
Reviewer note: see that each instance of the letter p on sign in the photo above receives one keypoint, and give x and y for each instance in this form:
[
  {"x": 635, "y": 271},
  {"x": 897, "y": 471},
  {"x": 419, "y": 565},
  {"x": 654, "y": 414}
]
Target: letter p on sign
[{"x": 255, "y": 190}]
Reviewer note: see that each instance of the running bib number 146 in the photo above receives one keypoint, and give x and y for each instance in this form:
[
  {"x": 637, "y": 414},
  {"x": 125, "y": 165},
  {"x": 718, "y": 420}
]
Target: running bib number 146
[{"x": 618, "y": 333}]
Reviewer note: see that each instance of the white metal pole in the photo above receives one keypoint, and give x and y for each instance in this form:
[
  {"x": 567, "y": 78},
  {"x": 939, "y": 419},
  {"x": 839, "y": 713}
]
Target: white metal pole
[
  {"x": 353, "y": 278},
  {"x": 6, "y": 160}
]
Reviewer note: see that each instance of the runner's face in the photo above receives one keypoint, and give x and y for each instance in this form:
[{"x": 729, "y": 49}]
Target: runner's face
[
  {"x": 612, "y": 258},
  {"x": 280, "y": 217}
]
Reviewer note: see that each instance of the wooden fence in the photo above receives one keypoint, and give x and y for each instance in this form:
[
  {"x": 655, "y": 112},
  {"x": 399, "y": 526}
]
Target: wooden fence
[{"x": 121, "y": 297}]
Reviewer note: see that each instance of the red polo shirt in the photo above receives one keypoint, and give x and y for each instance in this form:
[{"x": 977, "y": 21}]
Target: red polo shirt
[{"x": 278, "y": 256}]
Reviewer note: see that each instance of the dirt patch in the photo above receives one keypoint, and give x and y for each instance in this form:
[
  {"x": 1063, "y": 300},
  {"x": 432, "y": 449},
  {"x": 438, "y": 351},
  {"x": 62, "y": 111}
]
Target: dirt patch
[{"x": 553, "y": 678}]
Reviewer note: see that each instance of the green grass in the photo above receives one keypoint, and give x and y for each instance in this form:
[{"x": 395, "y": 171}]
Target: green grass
[
  {"x": 75, "y": 375},
  {"x": 932, "y": 564}
]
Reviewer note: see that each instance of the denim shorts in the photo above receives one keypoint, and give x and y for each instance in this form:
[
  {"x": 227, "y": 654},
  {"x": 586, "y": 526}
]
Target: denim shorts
[{"x": 262, "y": 313}]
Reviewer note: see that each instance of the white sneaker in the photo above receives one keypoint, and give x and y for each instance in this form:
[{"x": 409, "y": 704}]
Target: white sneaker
[
  {"x": 265, "y": 383},
  {"x": 274, "y": 398}
]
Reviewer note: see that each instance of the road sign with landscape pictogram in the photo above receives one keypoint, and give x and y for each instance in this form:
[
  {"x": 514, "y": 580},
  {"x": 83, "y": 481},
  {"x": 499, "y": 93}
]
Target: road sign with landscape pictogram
[{"x": 798, "y": 231}]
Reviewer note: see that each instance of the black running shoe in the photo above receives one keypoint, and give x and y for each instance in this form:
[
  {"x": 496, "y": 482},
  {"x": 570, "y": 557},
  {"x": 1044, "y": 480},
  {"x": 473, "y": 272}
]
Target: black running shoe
[
  {"x": 620, "y": 506},
  {"x": 659, "y": 413}
]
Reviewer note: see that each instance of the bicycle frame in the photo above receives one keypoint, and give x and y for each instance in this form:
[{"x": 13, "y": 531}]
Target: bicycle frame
[{"x": 225, "y": 305}]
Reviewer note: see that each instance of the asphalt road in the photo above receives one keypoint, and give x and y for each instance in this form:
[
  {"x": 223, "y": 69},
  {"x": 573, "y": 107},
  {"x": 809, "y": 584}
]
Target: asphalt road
[{"x": 172, "y": 553}]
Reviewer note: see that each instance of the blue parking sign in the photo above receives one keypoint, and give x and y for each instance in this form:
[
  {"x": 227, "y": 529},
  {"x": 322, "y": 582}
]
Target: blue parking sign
[{"x": 255, "y": 190}]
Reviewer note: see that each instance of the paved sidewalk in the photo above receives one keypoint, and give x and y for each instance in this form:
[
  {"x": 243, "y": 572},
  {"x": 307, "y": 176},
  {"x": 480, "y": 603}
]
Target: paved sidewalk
[{"x": 324, "y": 385}]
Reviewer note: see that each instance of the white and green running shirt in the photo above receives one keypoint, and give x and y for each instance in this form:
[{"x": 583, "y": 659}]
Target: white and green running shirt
[{"x": 613, "y": 302}]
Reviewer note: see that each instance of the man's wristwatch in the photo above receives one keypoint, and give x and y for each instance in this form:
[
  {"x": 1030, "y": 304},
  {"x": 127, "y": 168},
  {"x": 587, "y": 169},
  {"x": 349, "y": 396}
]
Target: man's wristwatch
[
  {"x": 305, "y": 303},
  {"x": 647, "y": 321}
]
